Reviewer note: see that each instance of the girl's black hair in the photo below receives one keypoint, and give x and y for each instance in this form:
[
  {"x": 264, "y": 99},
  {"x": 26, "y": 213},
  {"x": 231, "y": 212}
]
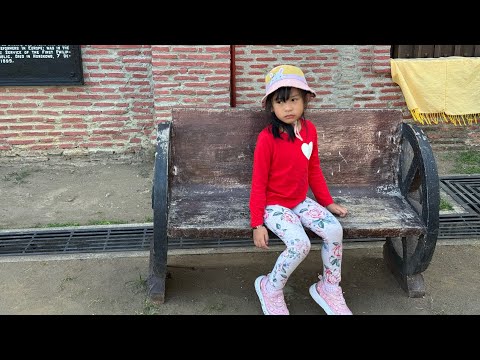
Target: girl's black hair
[{"x": 282, "y": 94}]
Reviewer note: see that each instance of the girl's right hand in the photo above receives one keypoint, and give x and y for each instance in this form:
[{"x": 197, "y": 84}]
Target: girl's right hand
[{"x": 260, "y": 237}]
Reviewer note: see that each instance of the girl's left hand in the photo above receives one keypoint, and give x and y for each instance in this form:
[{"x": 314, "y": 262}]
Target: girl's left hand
[{"x": 337, "y": 209}]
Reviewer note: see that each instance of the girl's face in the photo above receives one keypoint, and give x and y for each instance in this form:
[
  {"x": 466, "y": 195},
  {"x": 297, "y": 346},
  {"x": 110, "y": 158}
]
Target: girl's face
[{"x": 290, "y": 110}]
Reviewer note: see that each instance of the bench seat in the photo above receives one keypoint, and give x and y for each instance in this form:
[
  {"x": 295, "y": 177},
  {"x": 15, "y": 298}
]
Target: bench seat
[{"x": 207, "y": 212}]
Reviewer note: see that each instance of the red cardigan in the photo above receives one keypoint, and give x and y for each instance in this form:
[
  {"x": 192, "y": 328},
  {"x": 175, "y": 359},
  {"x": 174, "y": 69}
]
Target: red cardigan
[{"x": 282, "y": 172}]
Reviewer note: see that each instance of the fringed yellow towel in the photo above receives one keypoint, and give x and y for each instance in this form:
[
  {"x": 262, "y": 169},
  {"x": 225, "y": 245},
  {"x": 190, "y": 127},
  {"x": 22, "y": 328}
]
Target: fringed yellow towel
[{"x": 441, "y": 89}]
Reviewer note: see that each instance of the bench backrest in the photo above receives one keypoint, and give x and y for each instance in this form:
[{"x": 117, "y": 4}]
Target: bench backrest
[{"x": 215, "y": 146}]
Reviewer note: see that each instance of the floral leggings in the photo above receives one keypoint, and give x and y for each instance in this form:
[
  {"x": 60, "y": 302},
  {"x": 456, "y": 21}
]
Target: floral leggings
[{"x": 287, "y": 225}]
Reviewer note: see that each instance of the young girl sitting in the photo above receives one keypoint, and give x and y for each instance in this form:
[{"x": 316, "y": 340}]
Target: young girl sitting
[{"x": 285, "y": 165}]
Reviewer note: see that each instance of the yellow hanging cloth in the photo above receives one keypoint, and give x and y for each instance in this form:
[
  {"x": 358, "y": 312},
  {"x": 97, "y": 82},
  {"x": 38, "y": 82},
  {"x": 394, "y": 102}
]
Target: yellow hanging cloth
[{"x": 440, "y": 89}]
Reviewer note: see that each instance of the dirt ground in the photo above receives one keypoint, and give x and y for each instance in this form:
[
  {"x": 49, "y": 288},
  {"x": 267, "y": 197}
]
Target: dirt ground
[
  {"x": 54, "y": 192},
  {"x": 49, "y": 193},
  {"x": 222, "y": 284}
]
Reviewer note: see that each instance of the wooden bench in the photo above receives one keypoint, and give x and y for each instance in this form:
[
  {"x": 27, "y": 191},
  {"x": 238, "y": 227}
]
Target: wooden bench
[{"x": 381, "y": 168}]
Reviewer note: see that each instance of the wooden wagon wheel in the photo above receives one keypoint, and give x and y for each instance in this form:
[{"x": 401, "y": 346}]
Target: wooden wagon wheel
[{"x": 418, "y": 180}]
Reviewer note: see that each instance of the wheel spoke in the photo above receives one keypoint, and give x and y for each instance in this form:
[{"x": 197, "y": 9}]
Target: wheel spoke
[
  {"x": 408, "y": 184},
  {"x": 416, "y": 204}
]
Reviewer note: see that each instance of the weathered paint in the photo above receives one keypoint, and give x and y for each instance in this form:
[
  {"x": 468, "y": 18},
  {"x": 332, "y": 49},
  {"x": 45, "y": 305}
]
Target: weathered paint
[{"x": 209, "y": 211}]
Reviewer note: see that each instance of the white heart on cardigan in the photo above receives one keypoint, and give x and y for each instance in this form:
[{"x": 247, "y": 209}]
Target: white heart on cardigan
[{"x": 307, "y": 149}]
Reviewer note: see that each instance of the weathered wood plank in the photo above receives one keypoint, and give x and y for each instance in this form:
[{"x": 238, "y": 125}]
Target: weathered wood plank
[
  {"x": 222, "y": 212},
  {"x": 358, "y": 147},
  {"x": 215, "y": 146}
]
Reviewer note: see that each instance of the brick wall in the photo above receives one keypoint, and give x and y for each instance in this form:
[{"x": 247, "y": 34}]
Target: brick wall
[
  {"x": 189, "y": 76},
  {"x": 129, "y": 89},
  {"x": 343, "y": 76},
  {"x": 111, "y": 113}
]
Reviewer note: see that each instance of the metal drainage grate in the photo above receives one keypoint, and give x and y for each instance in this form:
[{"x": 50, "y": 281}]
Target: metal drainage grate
[
  {"x": 91, "y": 240},
  {"x": 465, "y": 190},
  {"x": 76, "y": 240}
]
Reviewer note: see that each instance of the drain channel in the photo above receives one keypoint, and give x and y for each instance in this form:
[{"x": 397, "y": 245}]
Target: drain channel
[
  {"x": 75, "y": 240},
  {"x": 465, "y": 191}
]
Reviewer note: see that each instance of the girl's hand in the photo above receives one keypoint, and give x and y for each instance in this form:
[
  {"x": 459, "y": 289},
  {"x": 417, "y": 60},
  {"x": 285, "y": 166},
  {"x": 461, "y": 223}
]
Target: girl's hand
[
  {"x": 260, "y": 237},
  {"x": 337, "y": 209}
]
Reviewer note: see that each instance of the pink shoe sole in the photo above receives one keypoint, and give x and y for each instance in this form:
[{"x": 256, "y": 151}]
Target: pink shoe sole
[
  {"x": 318, "y": 299},
  {"x": 260, "y": 295}
]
